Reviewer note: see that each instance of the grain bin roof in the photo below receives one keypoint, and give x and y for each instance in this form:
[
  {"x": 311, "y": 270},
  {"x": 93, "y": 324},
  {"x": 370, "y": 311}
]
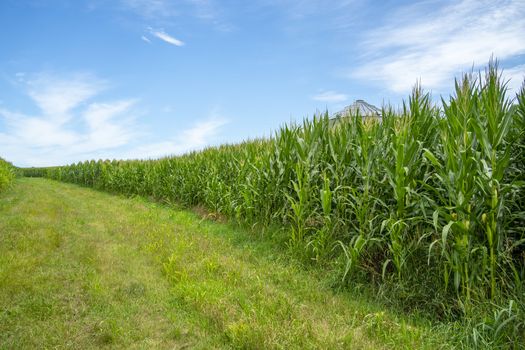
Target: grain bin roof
[{"x": 365, "y": 110}]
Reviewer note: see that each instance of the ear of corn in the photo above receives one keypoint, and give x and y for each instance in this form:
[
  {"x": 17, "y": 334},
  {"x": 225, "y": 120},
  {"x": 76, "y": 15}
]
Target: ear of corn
[{"x": 429, "y": 190}]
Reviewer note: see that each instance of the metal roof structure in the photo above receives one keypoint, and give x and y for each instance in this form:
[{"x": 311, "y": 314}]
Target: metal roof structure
[{"x": 359, "y": 106}]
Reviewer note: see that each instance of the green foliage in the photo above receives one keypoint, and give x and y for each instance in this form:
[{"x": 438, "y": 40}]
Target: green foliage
[
  {"x": 7, "y": 174},
  {"x": 429, "y": 193}
]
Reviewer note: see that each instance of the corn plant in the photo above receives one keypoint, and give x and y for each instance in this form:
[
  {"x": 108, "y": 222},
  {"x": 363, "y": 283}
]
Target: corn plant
[{"x": 7, "y": 174}]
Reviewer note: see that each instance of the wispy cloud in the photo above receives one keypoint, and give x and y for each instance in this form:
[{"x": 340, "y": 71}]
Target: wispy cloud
[
  {"x": 434, "y": 42},
  {"x": 204, "y": 9},
  {"x": 151, "y": 9},
  {"x": 516, "y": 77},
  {"x": 162, "y": 35},
  {"x": 334, "y": 15},
  {"x": 164, "y": 12},
  {"x": 56, "y": 97},
  {"x": 69, "y": 124},
  {"x": 106, "y": 128},
  {"x": 330, "y": 96},
  {"x": 196, "y": 137},
  {"x": 144, "y": 38},
  {"x": 212, "y": 13}
]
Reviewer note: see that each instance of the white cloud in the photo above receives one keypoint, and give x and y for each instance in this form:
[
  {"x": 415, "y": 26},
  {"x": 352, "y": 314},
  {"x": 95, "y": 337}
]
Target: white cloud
[
  {"x": 36, "y": 131},
  {"x": 56, "y": 134},
  {"x": 516, "y": 77},
  {"x": 56, "y": 97},
  {"x": 106, "y": 128},
  {"x": 86, "y": 129},
  {"x": 162, "y": 35},
  {"x": 144, "y": 38},
  {"x": 435, "y": 44},
  {"x": 330, "y": 96},
  {"x": 194, "y": 138}
]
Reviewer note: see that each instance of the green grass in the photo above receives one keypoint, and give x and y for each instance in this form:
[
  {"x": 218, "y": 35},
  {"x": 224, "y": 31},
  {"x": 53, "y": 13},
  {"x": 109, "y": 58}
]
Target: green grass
[{"x": 84, "y": 269}]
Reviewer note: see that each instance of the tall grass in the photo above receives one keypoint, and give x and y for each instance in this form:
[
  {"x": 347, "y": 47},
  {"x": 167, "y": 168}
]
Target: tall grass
[{"x": 431, "y": 198}]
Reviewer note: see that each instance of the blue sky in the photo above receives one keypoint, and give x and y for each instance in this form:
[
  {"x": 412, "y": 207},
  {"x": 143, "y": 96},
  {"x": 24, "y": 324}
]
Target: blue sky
[{"x": 146, "y": 78}]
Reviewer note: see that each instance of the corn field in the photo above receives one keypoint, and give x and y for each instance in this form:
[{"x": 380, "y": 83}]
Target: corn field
[
  {"x": 432, "y": 197},
  {"x": 7, "y": 174}
]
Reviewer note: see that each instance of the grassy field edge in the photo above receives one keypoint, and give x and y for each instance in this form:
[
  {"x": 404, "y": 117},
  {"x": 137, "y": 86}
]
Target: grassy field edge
[{"x": 82, "y": 268}]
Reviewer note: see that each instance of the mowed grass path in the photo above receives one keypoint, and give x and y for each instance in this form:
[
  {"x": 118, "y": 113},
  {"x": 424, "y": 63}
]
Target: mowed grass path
[{"x": 83, "y": 269}]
